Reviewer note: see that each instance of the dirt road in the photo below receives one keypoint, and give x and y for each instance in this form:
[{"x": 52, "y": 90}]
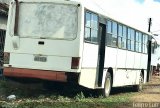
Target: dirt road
[{"x": 150, "y": 93}]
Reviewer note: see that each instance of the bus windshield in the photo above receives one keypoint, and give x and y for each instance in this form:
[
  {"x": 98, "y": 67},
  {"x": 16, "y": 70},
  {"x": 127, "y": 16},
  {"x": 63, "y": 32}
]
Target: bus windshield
[{"x": 47, "y": 20}]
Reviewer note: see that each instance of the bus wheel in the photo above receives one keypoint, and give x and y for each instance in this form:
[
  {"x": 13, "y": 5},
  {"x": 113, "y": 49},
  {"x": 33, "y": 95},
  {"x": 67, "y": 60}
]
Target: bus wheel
[
  {"x": 107, "y": 85},
  {"x": 139, "y": 87}
]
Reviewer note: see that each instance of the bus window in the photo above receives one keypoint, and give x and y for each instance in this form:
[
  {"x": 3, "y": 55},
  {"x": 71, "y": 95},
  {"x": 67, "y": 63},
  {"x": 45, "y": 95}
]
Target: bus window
[
  {"x": 91, "y": 27},
  {"x": 47, "y": 20},
  {"x": 109, "y": 31},
  {"x": 109, "y": 26},
  {"x": 119, "y": 36},
  {"x": 124, "y": 35},
  {"x": 137, "y": 42},
  {"x": 129, "y": 39},
  {"x": 140, "y": 42},
  {"x": 132, "y": 39},
  {"x": 94, "y": 28},
  {"x": 143, "y": 43},
  {"x": 87, "y": 34},
  {"x": 114, "y": 36},
  {"x": 88, "y": 20},
  {"x": 87, "y": 26},
  {"x": 112, "y": 33}
]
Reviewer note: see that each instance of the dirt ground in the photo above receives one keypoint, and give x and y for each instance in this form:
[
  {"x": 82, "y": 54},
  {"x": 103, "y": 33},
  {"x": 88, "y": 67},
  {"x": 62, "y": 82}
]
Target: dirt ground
[{"x": 150, "y": 93}]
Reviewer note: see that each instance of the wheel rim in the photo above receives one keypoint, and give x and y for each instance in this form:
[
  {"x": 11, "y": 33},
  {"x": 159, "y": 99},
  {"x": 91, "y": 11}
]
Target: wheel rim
[{"x": 107, "y": 86}]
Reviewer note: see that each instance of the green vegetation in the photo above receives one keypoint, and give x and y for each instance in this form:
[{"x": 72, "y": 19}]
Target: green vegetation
[
  {"x": 63, "y": 102},
  {"x": 37, "y": 97}
]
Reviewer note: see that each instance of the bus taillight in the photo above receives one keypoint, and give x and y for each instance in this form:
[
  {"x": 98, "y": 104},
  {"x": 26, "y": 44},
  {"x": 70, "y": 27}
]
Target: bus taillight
[
  {"x": 6, "y": 57},
  {"x": 75, "y": 63}
]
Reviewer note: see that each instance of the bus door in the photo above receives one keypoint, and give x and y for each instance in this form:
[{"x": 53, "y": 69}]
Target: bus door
[
  {"x": 149, "y": 60},
  {"x": 101, "y": 53}
]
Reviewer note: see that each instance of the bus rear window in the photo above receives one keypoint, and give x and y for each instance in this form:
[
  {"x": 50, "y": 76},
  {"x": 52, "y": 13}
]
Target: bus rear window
[{"x": 47, "y": 20}]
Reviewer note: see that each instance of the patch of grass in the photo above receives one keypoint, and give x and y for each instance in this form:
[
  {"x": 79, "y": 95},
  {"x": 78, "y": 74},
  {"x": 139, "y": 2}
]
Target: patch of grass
[
  {"x": 117, "y": 98},
  {"x": 65, "y": 102},
  {"x": 114, "y": 101},
  {"x": 80, "y": 96},
  {"x": 30, "y": 97}
]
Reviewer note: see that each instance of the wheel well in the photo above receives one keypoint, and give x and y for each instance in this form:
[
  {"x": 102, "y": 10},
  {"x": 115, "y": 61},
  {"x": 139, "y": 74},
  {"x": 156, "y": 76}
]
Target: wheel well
[{"x": 110, "y": 70}]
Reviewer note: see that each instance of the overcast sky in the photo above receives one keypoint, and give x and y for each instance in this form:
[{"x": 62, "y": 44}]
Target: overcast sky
[{"x": 134, "y": 12}]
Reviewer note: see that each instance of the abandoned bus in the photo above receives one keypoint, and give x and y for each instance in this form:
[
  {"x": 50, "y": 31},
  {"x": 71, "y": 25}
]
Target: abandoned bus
[{"x": 71, "y": 40}]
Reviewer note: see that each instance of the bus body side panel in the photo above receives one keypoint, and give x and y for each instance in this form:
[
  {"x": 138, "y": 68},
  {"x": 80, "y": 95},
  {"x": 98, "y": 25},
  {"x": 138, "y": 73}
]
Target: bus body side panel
[
  {"x": 144, "y": 58},
  {"x": 89, "y": 65},
  {"x": 110, "y": 61},
  {"x": 110, "y": 57},
  {"x": 121, "y": 58},
  {"x": 145, "y": 76},
  {"x": 144, "y": 61},
  {"x": 88, "y": 77},
  {"x": 128, "y": 66},
  {"x": 120, "y": 72},
  {"x": 137, "y": 62},
  {"x": 130, "y": 60}
]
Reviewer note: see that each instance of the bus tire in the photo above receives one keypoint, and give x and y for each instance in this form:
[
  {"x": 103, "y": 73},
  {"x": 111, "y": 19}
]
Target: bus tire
[
  {"x": 107, "y": 85},
  {"x": 139, "y": 87}
]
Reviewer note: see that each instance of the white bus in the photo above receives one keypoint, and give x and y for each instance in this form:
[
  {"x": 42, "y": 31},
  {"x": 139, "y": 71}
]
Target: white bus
[{"x": 71, "y": 40}]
